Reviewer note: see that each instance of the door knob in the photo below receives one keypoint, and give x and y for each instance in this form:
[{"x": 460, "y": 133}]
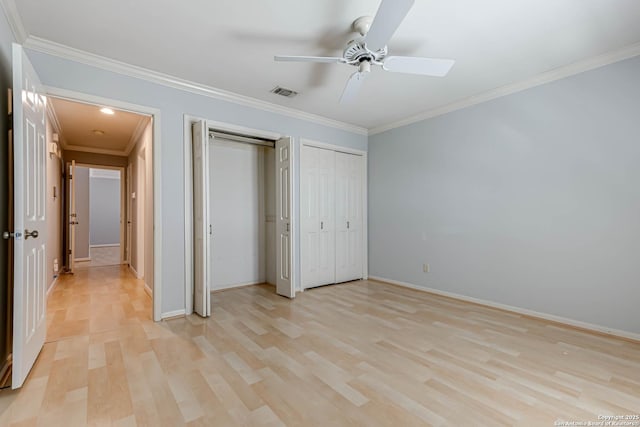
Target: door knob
[
  {"x": 28, "y": 234},
  {"x": 8, "y": 235}
]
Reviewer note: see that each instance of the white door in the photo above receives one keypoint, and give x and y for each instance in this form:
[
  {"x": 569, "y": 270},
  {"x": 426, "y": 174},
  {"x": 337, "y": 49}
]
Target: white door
[
  {"x": 317, "y": 216},
  {"x": 309, "y": 221},
  {"x": 284, "y": 259},
  {"x": 73, "y": 217},
  {"x": 348, "y": 217},
  {"x": 326, "y": 216},
  {"x": 29, "y": 148},
  {"x": 201, "y": 228},
  {"x": 342, "y": 232}
]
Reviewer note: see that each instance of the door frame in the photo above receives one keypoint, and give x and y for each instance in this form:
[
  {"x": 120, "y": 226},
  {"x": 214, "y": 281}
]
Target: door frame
[
  {"x": 124, "y": 214},
  {"x": 188, "y": 121},
  {"x": 156, "y": 163},
  {"x": 365, "y": 186}
]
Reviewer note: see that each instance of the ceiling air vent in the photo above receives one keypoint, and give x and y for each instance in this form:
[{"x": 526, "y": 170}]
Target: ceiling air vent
[{"x": 284, "y": 92}]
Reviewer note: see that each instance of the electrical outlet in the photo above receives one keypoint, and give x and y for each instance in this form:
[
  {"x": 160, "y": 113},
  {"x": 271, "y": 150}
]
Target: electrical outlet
[{"x": 426, "y": 268}]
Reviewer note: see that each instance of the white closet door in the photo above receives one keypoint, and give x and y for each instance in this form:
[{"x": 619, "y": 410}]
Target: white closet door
[
  {"x": 348, "y": 217},
  {"x": 326, "y": 216},
  {"x": 284, "y": 282},
  {"x": 342, "y": 217},
  {"x": 309, "y": 221},
  {"x": 354, "y": 217},
  {"x": 202, "y": 271},
  {"x": 317, "y": 222}
]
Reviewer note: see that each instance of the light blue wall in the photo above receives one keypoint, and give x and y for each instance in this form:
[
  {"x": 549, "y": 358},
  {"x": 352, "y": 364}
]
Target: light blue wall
[
  {"x": 530, "y": 200},
  {"x": 173, "y": 104},
  {"x": 104, "y": 211}
]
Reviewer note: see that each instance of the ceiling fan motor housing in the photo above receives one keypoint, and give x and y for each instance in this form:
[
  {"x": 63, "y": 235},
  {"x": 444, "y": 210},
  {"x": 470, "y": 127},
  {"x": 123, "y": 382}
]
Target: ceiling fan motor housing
[{"x": 357, "y": 52}]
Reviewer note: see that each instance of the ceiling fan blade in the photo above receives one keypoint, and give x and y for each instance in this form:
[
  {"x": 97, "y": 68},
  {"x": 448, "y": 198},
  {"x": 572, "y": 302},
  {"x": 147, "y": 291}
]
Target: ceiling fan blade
[
  {"x": 390, "y": 15},
  {"x": 423, "y": 66},
  {"x": 353, "y": 87},
  {"x": 328, "y": 59}
]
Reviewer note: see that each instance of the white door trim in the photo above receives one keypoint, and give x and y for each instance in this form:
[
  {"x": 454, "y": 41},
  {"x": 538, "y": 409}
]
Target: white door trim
[
  {"x": 157, "y": 177},
  {"x": 365, "y": 186}
]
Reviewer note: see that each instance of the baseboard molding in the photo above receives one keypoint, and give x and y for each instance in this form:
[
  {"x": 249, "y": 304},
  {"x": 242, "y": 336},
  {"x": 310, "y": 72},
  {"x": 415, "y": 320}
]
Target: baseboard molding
[
  {"x": 576, "y": 324},
  {"x": 172, "y": 314},
  {"x": 82, "y": 259},
  {"x": 135, "y": 273},
  {"x": 148, "y": 290},
  {"x": 111, "y": 245},
  {"x": 239, "y": 285},
  {"x": 52, "y": 285}
]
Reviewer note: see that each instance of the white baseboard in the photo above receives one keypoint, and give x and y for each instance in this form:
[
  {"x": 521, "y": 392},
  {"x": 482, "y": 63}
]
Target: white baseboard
[
  {"x": 237, "y": 285},
  {"x": 52, "y": 285},
  {"x": 518, "y": 310},
  {"x": 82, "y": 259},
  {"x": 111, "y": 245},
  {"x": 135, "y": 273},
  {"x": 148, "y": 290},
  {"x": 170, "y": 314}
]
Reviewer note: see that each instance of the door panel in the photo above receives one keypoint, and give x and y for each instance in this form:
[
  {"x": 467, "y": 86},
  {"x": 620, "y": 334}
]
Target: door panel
[
  {"x": 308, "y": 216},
  {"x": 29, "y": 115},
  {"x": 326, "y": 216},
  {"x": 285, "y": 285},
  {"x": 342, "y": 216},
  {"x": 202, "y": 273},
  {"x": 354, "y": 218}
]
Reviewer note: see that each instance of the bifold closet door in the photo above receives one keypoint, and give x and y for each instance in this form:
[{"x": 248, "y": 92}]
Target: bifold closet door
[
  {"x": 348, "y": 220},
  {"x": 317, "y": 222}
]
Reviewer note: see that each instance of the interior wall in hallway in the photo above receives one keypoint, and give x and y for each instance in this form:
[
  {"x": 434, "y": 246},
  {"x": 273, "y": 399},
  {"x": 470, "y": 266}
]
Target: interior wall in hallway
[
  {"x": 142, "y": 228},
  {"x": 54, "y": 214}
]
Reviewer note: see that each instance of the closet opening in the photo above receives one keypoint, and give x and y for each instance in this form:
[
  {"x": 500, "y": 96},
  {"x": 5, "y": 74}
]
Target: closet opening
[{"x": 240, "y": 211}]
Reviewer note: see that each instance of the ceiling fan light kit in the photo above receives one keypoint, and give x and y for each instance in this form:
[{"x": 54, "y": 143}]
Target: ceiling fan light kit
[{"x": 371, "y": 49}]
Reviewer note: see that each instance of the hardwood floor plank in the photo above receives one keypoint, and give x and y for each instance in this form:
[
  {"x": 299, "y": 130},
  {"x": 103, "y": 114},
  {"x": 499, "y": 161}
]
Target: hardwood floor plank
[{"x": 362, "y": 353}]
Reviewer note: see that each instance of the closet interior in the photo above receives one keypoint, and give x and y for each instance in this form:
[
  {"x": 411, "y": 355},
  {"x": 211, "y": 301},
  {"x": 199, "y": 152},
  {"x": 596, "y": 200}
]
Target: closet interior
[{"x": 242, "y": 196}]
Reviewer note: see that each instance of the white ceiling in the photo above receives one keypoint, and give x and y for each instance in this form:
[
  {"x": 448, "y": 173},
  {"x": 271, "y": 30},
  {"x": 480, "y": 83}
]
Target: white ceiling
[
  {"x": 229, "y": 44},
  {"x": 78, "y": 122}
]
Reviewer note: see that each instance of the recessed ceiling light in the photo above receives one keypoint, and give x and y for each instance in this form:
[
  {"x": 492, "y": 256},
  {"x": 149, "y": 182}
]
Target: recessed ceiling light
[
  {"x": 98, "y": 132},
  {"x": 108, "y": 111}
]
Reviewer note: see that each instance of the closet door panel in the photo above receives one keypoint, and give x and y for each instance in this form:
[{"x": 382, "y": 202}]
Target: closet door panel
[
  {"x": 326, "y": 217},
  {"x": 309, "y": 218},
  {"x": 354, "y": 201},
  {"x": 342, "y": 216}
]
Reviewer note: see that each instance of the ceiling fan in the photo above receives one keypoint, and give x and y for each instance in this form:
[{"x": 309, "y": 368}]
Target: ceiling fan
[{"x": 371, "y": 48}]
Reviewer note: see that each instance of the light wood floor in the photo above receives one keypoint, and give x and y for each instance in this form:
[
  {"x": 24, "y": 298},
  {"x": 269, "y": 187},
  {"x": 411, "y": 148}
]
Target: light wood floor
[{"x": 363, "y": 353}]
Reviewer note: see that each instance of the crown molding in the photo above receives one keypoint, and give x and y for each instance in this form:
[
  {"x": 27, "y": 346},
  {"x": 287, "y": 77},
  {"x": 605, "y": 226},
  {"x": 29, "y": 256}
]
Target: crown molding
[
  {"x": 73, "y": 54},
  {"x": 13, "y": 18},
  {"x": 540, "y": 79}
]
